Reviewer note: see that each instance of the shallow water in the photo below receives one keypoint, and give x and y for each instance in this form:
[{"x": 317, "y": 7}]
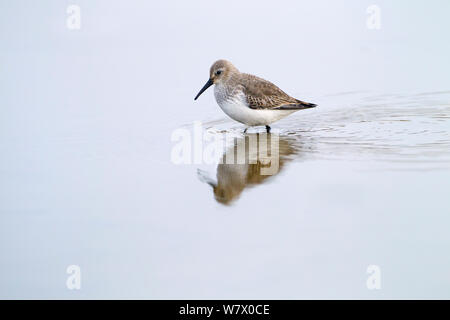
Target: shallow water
[
  {"x": 88, "y": 178},
  {"x": 390, "y": 128},
  {"x": 362, "y": 180}
]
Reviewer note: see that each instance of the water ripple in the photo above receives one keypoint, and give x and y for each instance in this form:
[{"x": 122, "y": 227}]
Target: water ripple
[{"x": 395, "y": 128}]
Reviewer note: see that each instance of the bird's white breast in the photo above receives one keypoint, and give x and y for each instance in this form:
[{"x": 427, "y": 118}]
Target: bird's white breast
[{"x": 235, "y": 105}]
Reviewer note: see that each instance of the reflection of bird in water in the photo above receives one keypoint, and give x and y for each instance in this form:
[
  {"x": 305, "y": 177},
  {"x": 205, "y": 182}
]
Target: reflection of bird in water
[{"x": 255, "y": 166}]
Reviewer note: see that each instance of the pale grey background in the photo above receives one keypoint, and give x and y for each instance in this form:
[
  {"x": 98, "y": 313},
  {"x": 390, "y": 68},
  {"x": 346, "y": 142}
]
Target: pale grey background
[{"x": 86, "y": 178}]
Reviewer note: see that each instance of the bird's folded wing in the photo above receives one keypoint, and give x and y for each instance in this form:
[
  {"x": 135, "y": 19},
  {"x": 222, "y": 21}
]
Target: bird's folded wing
[{"x": 262, "y": 94}]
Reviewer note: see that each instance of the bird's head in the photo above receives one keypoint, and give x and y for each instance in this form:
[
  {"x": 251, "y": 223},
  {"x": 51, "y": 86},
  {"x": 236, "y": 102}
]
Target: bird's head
[{"x": 220, "y": 72}]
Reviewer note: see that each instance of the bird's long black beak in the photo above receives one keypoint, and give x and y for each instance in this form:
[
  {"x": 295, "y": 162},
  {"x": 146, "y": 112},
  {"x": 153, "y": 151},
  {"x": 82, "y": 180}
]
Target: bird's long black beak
[{"x": 206, "y": 86}]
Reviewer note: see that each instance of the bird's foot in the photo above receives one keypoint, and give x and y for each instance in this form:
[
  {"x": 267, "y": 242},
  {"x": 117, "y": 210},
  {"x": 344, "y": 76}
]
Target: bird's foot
[{"x": 268, "y": 129}]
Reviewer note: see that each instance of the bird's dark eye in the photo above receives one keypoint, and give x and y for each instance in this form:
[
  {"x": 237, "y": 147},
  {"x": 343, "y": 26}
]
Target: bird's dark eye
[{"x": 218, "y": 72}]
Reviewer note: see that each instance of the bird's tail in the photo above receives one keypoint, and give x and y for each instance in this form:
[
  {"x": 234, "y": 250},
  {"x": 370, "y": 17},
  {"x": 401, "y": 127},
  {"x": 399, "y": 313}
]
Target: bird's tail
[{"x": 297, "y": 106}]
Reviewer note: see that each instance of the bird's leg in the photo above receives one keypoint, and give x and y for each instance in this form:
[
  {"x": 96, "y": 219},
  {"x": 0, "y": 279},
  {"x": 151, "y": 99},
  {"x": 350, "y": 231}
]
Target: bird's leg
[
  {"x": 268, "y": 129},
  {"x": 245, "y": 130}
]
